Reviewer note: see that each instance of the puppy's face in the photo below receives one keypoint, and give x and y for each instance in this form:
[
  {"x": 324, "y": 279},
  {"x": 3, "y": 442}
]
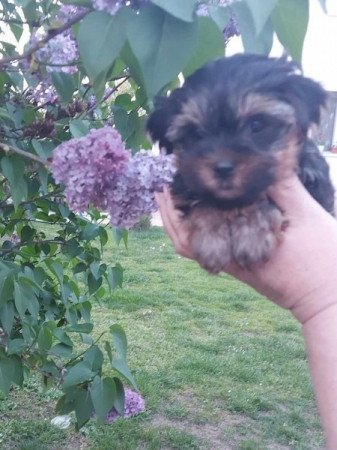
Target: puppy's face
[
  {"x": 229, "y": 146},
  {"x": 236, "y": 126}
]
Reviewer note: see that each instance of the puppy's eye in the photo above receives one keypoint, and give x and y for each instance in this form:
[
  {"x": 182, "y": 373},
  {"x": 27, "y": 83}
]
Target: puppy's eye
[{"x": 256, "y": 125}]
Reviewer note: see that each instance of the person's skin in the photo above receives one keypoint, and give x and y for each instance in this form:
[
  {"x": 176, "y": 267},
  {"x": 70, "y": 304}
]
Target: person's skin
[{"x": 299, "y": 276}]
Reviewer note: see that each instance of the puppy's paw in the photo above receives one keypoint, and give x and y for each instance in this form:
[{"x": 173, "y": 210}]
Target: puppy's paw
[
  {"x": 210, "y": 238},
  {"x": 212, "y": 251},
  {"x": 255, "y": 234}
]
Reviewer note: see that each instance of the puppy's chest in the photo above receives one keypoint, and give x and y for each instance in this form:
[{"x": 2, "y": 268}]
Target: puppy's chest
[{"x": 241, "y": 235}]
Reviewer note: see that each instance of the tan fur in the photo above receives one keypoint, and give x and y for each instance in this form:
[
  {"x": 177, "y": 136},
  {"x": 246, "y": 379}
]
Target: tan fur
[
  {"x": 246, "y": 235},
  {"x": 254, "y": 103}
]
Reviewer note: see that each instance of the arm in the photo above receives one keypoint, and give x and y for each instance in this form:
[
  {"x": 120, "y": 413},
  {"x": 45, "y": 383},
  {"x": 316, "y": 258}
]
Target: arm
[{"x": 300, "y": 276}]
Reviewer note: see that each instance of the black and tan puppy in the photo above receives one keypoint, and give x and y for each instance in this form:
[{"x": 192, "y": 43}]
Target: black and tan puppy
[{"x": 236, "y": 126}]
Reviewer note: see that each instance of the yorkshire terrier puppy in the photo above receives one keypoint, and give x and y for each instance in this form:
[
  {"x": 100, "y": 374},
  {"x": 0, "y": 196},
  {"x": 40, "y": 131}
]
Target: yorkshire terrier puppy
[{"x": 237, "y": 126}]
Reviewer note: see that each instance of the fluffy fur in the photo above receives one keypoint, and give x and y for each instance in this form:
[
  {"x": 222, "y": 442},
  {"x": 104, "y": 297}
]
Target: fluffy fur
[{"x": 236, "y": 126}]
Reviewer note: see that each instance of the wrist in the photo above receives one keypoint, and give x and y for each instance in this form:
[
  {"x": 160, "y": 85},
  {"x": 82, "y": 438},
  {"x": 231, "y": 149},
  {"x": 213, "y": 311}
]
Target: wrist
[{"x": 314, "y": 302}]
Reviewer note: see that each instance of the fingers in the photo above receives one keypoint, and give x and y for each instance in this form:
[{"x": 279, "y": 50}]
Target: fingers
[
  {"x": 292, "y": 197},
  {"x": 173, "y": 224}
]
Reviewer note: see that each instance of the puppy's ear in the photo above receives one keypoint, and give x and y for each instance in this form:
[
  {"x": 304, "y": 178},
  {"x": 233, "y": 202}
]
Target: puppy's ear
[
  {"x": 161, "y": 118},
  {"x": 307, "y": 97}
]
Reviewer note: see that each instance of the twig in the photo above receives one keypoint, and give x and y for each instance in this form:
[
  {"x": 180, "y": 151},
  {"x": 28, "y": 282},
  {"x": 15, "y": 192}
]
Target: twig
[
  {"x": 105, "y": 98},
  {"x": 50, "y": 35},
  {"x": 9, "y": 149}
]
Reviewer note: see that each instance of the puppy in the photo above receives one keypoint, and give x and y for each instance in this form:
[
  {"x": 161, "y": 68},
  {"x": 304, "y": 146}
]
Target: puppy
[{"x": 237, "y": 126}]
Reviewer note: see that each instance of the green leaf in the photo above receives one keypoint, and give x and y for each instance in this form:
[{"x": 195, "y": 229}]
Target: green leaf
[
  {"x": 17, "y": 30},
  {"x": 94, "y": 267},
  {"x": 162, "y": 45},
  {"x": 80, "y": 328},
  {"x": 91, "y": 230},
  {"x": 119, "y": 234},
  {"x": 103, "y": 396},
  {"x": 261, "y": 12},
  {"x": 93, "y": 283},
  {"x": 252, "y": 43},
  {"x": 121, "y": 367},
  {"x": 119, "y": 403},
  {"x": 61, "y": 350},
  {"x": 107, "y": 348},
  {"x": 6, "y": 288},
  {"x": 79, "y": 128},
  {"x": 7, "y": 316},
  {"x": 64, "y": 84},
  {"x": 45, "y": 338},
  {"x": 210, "y": 45},
  {"x": 20, "y": 298},
  {"x": 119, "y": 340},
  {"x": 62, "y": 336},
  {"x": 126, "y": 123},
  {"x": 56, "y": 268},
  {"x": 94, "y": 357},
  {"x": 181, "y": 9},
  {"x": 290, "y": 21},
  {"x": 27, "y": 233},
  {"x": 14, "y": 168},
  {"x": 10, "y": 372},
  {"x": 115, "y": 276},
  {"x": 78, "y": 374},
  {"x": 16, "y": 346},
  {"x": 99, "y": 54},
  {"x": 83, "y": 407},
  {"x": 80, "y": 267},
  {"x": 78, "y": 400}
]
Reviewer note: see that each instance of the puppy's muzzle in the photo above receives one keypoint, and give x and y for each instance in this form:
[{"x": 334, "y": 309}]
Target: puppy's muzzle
[{"x": 224, "y": 169}]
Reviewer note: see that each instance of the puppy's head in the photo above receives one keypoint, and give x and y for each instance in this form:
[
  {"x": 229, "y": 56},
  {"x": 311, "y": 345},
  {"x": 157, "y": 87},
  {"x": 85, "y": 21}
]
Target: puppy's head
[{"x": 237, "y": 124}]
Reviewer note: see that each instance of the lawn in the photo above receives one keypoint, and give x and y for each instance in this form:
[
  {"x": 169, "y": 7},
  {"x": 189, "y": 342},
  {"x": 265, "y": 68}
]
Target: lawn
[{"x": 218, "y": 365}]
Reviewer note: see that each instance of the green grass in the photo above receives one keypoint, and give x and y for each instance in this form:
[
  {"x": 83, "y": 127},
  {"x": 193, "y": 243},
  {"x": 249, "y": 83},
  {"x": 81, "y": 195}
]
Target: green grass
[{"x": 219, "y": 366}]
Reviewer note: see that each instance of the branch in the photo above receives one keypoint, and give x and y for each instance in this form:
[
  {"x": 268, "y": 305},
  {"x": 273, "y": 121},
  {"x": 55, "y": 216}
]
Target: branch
[
  {"x": 9, "y": 149},
  {"x": 108, "y": 95},
  {"x": 50, "y": 35},
  {"x": 34, "y": 23}
]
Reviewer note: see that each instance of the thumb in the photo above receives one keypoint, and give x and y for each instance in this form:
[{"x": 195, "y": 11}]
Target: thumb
[{"x": 292, "y": 198}]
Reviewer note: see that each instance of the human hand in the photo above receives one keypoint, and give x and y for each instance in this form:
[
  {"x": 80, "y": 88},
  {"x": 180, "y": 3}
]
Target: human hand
[{"x": 298, "y": 275}]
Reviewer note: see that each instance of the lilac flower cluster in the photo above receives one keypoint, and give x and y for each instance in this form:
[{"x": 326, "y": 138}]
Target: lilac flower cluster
[
  {"x": 43, "y": 93},
  {"x": 60, "y": 52},
  {"x": 98, "y": 170},
  {"x": 112, "y": 6},
  {"x": 132, "y": 193},
  {"x": 133, "y": 405},
  {"x": 67, "y": 12},
  {"x": 87, "y": 166}
]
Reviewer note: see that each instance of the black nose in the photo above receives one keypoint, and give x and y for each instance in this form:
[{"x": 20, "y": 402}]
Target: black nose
[{"x": 224, "y": 169}]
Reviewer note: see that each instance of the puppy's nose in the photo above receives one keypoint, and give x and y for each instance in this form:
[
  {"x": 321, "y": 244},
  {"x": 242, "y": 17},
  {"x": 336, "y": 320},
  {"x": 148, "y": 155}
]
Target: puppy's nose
[{"x": 224, "y": 169}]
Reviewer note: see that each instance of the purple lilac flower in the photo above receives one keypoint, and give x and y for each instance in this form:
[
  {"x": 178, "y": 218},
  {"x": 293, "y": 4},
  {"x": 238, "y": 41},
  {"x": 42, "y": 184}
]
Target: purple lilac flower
[
  {"x": 14, "y": 238},
  {"x": 87, "y": 165},
  {"x": 232, "y": 28},
  {"x": 43, "y": 93},
  {"x": 132, "y": 193},
  {"x": 112, "y": 6},
  {"x": 60, "y": 52},
  {"x": 67, "y": 12},
  {"x": 133, "y": 405}
]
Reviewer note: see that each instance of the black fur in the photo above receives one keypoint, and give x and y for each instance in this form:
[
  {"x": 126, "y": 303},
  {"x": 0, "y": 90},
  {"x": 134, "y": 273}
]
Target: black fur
[{"x": 227, "y": 81}]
